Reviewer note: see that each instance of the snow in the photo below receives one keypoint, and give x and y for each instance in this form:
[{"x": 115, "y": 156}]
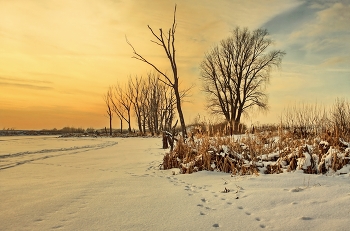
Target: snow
[{"x": 116, "y": 184}]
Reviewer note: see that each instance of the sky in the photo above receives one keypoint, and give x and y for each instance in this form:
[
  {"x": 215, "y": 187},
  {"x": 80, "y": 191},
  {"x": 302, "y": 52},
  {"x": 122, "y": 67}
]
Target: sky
[{"x": 58, "y": 57}]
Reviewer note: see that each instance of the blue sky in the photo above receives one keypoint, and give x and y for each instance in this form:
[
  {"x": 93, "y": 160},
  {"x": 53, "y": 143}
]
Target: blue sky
[{"x": 316, "y": 37}]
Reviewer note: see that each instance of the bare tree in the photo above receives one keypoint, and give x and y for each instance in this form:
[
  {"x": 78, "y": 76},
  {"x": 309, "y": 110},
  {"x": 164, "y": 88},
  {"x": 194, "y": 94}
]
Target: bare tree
[
  {"x": 340, "y": 117},
  {"x": 167, "y": 42},
  {"x": 119, "y": 111},
  {"x": 167, "y": 109},
  {"x": 159, "y": 102},
  {"x": 235, "y": 73},
  {"x": 122, "y": 104},
  {"x": 144, "y": 106},
  {"x": 108, "y": 98},
  {"x": 136, "y": 96}
]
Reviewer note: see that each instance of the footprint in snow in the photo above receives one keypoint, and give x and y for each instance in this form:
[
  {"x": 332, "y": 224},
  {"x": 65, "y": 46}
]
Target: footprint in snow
[
  {"x": 57, "y": 227},
  {"x": 306, "y": 218}
]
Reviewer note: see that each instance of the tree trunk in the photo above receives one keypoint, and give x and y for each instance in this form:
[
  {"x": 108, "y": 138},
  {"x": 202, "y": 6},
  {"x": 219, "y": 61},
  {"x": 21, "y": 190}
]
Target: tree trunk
[
  {"x": 139, "y": 123},
  {"x": 165, "y": 140},
  {"x": 238, "y": 120},
  {"x": 231, "y": 127},
  {"x": 110, "y": 125},
  {"x": 143, "y": 124},
  {"x": 236, "y": 126},
  {"x": 121, "y": 126},
  {"x": 129, "y": 122},
  {"x": 179, "y": 110}
]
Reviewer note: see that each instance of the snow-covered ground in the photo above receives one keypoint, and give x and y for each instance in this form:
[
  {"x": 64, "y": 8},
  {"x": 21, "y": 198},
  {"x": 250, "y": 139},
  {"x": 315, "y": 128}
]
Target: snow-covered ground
[{"x": 115, "y": 184}]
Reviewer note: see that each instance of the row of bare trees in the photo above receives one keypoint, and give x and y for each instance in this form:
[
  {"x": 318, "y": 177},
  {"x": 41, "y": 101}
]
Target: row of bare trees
[
  {"x": 149, "y": 100},
  {"x": 234, "y": 73}
]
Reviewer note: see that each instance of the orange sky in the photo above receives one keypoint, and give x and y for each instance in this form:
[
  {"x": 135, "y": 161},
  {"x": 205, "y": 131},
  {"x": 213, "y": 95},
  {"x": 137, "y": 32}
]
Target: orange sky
[{"x": 58, "y": 57}]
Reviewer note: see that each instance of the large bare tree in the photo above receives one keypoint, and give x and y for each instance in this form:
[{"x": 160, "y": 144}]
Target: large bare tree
[
  {"x": 235, "y": 73},
  {"x": 166, "y": 40}
]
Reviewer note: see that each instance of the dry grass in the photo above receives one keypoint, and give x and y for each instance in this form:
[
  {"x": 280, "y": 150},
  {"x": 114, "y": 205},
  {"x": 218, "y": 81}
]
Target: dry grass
[{"x": 263, "y": 152}]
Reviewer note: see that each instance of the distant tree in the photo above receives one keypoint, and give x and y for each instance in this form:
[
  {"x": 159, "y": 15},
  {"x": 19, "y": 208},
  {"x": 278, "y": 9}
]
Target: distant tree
[
  {"x": 167, "y": 109},
  {"x": 122, "y": 104},
  {"x": 118, "y": 109},
  {"x": 108, "y": 98},
  {"x": 235, "y": 73},
  {"x": 167, "y": 42},
  {"x": 340, "y": 117},
  {"x": 90, "y": 130},
  {"x": 136, "y": 96}
]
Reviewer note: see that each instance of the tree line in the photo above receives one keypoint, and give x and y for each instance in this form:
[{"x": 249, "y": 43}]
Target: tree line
[{"x": 149, "y": 100}]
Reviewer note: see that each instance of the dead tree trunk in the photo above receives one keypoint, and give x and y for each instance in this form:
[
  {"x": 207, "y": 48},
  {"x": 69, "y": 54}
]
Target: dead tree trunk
[{"x": 167, "y": 42}]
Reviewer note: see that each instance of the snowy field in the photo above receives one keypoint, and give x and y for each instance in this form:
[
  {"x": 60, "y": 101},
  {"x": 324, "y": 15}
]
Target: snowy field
[{"x": 49, "y": 183}]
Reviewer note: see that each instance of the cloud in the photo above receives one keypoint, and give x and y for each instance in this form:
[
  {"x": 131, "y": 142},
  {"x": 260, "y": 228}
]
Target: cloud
[
  {"x": 14, "y": 79},
  {"x": 25, "y": 83},
  {"x": 313, "y": 31},
  {"x": 337, "y": 60},
  {"x": 28, "y": 86},
  {"x": 329, "y": 29}
]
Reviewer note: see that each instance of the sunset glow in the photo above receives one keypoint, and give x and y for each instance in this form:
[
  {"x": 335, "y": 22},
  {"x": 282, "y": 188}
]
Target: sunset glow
[{"x": 58, "y": 57}]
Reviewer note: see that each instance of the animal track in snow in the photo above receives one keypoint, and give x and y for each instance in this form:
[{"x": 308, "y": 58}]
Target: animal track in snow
[
  {"x": 57, "y": 227},
  {"x": 306, "y": 218}
]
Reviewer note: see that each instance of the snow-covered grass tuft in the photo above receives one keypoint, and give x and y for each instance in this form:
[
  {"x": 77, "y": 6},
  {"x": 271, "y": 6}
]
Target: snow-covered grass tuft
[{"x": 260, "y": 153}]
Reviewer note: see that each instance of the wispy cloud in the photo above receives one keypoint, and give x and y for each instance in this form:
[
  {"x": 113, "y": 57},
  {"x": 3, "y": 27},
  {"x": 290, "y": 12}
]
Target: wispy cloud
[
  {"x": 15, "y": 79},
  {"x": 327, "y": 30},
  {"x": 28, "y": 86},
  {"x": 337, "y": 60},
  {"x": 25, "y": 83}
]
